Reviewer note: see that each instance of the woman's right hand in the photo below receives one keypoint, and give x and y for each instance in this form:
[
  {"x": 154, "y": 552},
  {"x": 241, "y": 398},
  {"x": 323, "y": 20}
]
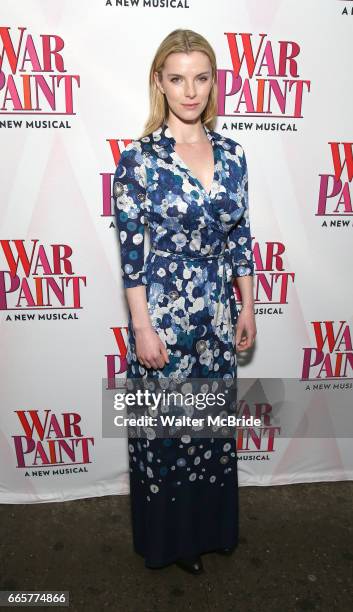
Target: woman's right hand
[{"x": 150, "y": 350}]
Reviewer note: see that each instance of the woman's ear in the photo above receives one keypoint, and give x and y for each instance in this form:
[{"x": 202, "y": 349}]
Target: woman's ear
[{"x": 158, "y": 83}]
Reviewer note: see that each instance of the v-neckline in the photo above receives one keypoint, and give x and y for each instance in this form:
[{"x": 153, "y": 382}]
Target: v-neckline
[
  {"x": 186, "y": 167},
  {"x": 182, "y": 163}
]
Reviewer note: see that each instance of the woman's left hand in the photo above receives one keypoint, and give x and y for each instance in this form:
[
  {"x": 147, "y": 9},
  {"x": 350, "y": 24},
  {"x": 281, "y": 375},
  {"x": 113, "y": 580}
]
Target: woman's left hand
[{"x": 245, "y": 329}]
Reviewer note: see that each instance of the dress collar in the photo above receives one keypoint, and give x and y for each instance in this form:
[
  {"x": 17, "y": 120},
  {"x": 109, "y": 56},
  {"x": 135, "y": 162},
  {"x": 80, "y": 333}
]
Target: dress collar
[{"x": 164, "y": 136}]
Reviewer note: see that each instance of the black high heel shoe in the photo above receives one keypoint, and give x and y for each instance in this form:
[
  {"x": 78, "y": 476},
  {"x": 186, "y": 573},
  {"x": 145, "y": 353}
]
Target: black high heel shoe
[{"x": 193, "y": 565}]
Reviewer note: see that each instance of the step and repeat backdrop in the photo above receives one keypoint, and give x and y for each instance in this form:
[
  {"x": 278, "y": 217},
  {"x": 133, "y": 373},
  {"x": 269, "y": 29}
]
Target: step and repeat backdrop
[{"x": 73, "y": 94}]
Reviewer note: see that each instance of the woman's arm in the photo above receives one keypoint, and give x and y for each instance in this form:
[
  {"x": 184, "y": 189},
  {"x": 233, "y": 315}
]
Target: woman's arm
[
  {"x": 239, "y": 244},
  {"x": 129, "y": 194},
  {"x": 150, "y": 350}
]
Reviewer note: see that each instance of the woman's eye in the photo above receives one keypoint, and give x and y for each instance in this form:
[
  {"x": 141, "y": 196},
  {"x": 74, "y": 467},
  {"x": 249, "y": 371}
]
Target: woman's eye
[{"x": 174, "y": 79}]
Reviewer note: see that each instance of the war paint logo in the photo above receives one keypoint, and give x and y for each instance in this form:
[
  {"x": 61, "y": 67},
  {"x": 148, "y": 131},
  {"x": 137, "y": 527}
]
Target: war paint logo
[
  {"x": 264, "y": 81},
  {"x": 51, "y": 441},
  {"x": 39, "y": 278},
  {"x": 116, "y": 363},
  {"x": 272, "y": 280},
  {"x": 107, "y": 177},
  {"x": 33, "y": 77},
  {"x": 335, "y": 190},
  {"x": 332, "y": 356},
  {"x": 256, "y": 443}
]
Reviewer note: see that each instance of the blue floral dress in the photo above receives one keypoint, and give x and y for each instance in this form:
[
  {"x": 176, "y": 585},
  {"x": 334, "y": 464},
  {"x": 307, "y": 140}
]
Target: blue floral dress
[{"x": 184, "y": 491}]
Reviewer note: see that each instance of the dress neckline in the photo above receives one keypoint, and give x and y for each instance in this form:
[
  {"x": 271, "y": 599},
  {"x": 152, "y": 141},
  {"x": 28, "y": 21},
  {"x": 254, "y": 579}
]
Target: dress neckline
[{"x": 184, "y": 165}]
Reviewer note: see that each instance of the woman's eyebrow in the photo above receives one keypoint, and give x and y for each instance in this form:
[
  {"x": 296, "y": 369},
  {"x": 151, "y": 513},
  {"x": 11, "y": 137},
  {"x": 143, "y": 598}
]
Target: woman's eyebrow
[{"x": 175, "y": 74}]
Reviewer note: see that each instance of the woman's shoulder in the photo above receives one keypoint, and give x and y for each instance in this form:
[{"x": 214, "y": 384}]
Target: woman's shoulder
[
  {"x": 140, "y": 147},
  {"x": 134, "y": 146},
  {"x": 229, "y": 144},
  {"x": 133, "y": 153}
]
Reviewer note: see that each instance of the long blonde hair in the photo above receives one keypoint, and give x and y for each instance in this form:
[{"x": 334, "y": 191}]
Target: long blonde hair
[{"x": 178, "y": 41}]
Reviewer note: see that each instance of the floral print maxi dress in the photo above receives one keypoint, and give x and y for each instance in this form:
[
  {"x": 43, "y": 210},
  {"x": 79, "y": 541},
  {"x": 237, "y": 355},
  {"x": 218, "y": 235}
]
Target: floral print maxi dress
[{"x": 184, "y": 491}]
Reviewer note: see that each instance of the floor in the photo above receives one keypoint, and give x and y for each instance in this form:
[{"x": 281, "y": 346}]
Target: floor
[{"x": 295, "y": 553}]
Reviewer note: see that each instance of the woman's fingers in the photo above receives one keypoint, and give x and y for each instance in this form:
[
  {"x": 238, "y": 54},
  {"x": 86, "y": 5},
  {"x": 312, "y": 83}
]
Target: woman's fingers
[
  {"x": 145, "y": 363},
  {"x": 157, "y": 362},
  {"x": 151, "y": 351},
  {"x": 162, "y": 358},
  {"x": 244, "y": 339},
  {"x": 164, "y": 353},
  {"x": 238, "y": 334},
  {"x": 246, "y": 343}
]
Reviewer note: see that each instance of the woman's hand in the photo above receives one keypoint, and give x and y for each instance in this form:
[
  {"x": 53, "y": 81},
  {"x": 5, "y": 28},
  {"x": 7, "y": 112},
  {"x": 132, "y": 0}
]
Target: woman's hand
[
  {"x": 150, "y": 350},
  {"x": 245, "y": 329}
]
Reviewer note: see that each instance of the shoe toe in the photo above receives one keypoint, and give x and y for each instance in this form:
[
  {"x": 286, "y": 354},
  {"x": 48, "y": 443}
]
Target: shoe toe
[{"x": 191, "y": 565}]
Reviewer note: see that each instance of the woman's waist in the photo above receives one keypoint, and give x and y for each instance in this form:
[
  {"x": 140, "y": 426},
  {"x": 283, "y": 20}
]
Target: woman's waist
[
  {"x": 187, "y": 255},
  {"x": 213, "y": 266}
]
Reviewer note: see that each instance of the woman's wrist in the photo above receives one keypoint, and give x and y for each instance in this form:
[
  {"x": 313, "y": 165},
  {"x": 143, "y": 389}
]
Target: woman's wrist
[
  {"x": 249, "y": 306},
  {"x": 142, "y": 327}
]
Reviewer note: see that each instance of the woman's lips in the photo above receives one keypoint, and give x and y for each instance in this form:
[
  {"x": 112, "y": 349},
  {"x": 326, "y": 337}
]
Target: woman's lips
[{"x": 191, "y": 105}]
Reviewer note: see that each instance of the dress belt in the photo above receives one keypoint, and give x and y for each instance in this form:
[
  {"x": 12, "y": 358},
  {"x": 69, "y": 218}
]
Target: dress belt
[
  {"x": 222, "y": 316},
  {"x": 172, "y": 254}
]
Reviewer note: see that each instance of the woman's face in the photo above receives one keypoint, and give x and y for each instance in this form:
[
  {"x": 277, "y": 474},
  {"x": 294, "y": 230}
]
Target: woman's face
[{"x": 186, "y": 80}]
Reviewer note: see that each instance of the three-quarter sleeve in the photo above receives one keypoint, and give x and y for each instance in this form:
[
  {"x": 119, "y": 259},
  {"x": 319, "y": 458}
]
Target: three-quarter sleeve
[
  {"x": 239, "y": 238},
  {"x": 129, "y": 194}
]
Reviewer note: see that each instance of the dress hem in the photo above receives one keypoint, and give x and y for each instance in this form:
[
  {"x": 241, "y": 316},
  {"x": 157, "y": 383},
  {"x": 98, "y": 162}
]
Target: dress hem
[{"x": 174, "y": 558}]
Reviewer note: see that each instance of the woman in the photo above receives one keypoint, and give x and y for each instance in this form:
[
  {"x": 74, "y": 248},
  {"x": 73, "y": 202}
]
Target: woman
[{"x": 189, "y": 184}]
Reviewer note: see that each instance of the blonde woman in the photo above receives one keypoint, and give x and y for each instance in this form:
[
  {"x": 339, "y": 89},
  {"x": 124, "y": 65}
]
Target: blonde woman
[{"x": 189, "y": 184}]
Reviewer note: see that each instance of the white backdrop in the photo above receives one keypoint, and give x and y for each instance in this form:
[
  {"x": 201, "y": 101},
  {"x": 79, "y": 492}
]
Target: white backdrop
[{"x": 73, "y": 93}]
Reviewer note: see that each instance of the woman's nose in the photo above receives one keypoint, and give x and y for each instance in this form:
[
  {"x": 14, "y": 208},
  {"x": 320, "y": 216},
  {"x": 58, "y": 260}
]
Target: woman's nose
[{"x": 190, "y": 89}]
